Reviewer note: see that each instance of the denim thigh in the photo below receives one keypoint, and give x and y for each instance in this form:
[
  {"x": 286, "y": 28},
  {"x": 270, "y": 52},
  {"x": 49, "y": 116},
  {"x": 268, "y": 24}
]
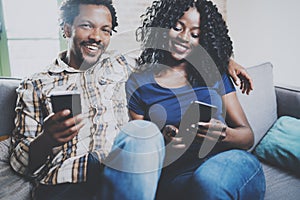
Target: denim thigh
[{"x": 233, "y": 174}]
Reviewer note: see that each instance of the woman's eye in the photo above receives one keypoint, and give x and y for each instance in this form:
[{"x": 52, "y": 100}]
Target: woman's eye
[
  {"x": 178, "y": 27},
  {"x": 195, "y": 35}
]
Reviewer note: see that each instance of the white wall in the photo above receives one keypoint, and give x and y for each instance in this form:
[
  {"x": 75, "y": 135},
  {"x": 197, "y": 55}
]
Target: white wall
[{"x": 267, "y": 30}]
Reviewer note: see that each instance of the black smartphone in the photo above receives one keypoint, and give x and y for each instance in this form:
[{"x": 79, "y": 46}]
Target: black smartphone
[
  {"x": 199, "y": 112},
  {"x": 206, "y": 111},
  {"x": 66, "y": 100}
]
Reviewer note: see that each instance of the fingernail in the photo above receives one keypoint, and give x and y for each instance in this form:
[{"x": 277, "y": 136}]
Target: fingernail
[
  {"x": 201, "y": 123},
  {"x": 67, "y": 111}
]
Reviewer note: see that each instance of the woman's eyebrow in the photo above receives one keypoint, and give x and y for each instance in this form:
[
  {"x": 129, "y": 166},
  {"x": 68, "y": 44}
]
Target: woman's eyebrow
[{"x": 183, "y": 24}]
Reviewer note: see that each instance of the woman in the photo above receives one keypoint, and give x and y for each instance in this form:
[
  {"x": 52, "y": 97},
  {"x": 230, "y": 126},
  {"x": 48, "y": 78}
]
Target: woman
[{"x": 185, "y": 58}]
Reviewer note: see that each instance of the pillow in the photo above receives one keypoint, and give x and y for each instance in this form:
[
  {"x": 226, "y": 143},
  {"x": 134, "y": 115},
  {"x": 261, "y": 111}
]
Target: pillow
[
  {"x": 260, "y": 105},
  {"x": 281, "y": 145}
]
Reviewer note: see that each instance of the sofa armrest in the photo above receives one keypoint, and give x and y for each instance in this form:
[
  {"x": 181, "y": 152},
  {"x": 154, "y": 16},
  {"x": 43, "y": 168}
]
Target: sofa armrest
[
  {"x": 288, "y": 100},
  {"x": 8, "y": 98}
]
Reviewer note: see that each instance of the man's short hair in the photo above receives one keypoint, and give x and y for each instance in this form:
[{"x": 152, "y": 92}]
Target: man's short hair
[{"x": 69, "y": 9}]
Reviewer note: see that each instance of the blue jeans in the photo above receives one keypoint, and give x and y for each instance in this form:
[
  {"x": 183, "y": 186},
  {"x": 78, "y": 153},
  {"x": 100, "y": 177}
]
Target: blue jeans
[
  {"x": 131, "y": 171},
  {"x": 233, "y": 174}
]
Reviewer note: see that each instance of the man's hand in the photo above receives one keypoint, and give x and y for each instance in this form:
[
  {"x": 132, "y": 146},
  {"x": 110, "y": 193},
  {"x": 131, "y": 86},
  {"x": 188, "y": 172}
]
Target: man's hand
[
  {"x": 240, "y": 77},
  {"x": 60, "y": 129}
]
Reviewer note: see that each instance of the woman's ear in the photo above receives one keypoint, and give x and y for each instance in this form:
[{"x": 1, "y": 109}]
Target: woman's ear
[{"x": 67, "y": 30}]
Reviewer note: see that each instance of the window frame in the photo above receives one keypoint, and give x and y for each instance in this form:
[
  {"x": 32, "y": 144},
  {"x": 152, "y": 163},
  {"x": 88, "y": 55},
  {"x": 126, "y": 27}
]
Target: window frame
[{"x": 4, "y": 55}]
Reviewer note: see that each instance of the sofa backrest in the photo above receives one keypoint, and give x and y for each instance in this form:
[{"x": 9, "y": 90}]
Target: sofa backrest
[
  {"x": 260, "y": 106},
  {"x": 288, "y": 100},
  {"x": 7, "y": 104}
]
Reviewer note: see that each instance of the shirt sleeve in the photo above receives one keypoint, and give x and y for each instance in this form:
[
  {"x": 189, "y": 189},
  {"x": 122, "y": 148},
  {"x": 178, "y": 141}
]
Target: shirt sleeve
[
  {"x": 225, "y": 85},
  {"x": 28, "y": 125},
  {"x": 133, "y": 96}
]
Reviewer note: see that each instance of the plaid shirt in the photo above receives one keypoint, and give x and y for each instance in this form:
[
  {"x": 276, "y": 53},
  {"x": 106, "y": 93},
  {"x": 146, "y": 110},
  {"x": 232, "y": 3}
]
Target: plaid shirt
[{"x": 104, "y": 107}]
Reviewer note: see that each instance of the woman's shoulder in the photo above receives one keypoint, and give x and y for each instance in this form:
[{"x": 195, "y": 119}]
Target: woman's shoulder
[
  {"x": 141, "y": 76},
  {"x": 225, "y": 85}
]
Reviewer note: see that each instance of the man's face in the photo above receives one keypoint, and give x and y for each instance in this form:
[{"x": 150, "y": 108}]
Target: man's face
[{"x": 89, "y": 35}]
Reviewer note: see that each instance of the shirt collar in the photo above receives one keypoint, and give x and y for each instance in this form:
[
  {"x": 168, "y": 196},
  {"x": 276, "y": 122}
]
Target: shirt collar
[{"x": 59, "y": 65}]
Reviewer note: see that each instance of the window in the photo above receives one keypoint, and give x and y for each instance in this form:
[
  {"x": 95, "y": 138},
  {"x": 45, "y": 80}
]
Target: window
[
  {"x": 32, "y": 34},
  {"x": 128, "y": 13},
  {"x": 31, "y": 37}
]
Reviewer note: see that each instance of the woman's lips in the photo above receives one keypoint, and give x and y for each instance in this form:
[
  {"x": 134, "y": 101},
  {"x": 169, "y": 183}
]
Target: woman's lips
[{"x": 180, "y": 48}]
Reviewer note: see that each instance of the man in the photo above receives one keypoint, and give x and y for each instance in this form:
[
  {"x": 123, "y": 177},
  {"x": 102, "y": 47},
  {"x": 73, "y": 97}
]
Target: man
[{"x": 97, "y": 154}]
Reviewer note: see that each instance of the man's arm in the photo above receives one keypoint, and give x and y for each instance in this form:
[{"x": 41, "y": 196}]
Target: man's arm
[
  {"x": 57, "y": 131},
  {"x": 240, "y": 76},
  {"x": 34, "y": 138},
  {"x": 29, "y": 122}
]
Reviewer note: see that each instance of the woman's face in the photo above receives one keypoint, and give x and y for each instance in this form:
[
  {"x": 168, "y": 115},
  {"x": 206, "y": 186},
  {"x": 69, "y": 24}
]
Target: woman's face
[{"x": 184, "y": 36}]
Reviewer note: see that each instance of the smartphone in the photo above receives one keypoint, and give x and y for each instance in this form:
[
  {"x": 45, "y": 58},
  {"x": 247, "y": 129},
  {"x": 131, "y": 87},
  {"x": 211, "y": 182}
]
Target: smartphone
[
  {"x": 200, "y": 112},
  {"x": 66, "y": 100},
  {"x": 206, "y": 111}
]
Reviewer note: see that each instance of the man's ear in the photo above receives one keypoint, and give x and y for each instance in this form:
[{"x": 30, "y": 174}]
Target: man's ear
[{"x": 67, "y": 30}]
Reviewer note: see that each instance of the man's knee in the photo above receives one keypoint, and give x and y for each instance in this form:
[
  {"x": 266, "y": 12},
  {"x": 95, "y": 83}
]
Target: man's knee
[
  {"x": 140, "y": 135},
  {"x": 138, "y": 148}
]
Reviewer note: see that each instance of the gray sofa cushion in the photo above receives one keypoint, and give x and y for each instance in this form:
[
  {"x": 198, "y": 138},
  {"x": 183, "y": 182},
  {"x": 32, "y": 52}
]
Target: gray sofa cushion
[
  {"x": 260, "y": 106},
  {"x": 7, "y": 104},
  {"x": 13, "y": 186},
  {"x": 281, "y": 185}
]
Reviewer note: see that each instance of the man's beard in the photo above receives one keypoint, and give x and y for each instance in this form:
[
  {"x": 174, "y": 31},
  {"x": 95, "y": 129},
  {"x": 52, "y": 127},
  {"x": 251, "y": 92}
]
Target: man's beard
[{"x": 86, "y": 63}]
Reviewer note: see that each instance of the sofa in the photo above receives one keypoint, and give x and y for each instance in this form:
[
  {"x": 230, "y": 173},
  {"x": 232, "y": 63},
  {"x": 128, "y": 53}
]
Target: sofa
[{"x": 262, "y": 107}]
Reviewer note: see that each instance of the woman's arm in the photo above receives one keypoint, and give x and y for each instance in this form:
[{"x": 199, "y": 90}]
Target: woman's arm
[
  {"x": 135, "y": 116},
  {"x": 238, "y": 133}
]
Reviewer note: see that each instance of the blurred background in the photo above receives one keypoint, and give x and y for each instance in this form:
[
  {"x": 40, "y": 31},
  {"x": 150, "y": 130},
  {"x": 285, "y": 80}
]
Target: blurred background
[{"x": 261, "y": 30}]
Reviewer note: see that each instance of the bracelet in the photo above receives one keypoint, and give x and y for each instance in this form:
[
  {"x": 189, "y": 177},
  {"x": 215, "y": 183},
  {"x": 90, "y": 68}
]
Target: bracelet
[{"x": 223, "y": 134}]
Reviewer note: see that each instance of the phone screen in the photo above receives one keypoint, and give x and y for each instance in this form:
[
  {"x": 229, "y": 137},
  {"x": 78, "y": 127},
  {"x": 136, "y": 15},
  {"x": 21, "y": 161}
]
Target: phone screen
[
  {"x": 206, "y": 111},
  {"x": 66, "y": 100},
  {"x": 200, "y": 112}
]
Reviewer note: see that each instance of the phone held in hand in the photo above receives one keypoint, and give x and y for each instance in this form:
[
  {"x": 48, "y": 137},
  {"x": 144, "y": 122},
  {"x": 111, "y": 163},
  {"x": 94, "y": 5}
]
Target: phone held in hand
[
  {"x": 61, "y": 100},
  {"x": 199, "y": 112},
  {"x": 206, "y": 111}
]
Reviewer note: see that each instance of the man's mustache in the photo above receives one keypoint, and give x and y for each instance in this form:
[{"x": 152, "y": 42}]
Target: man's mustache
[{"x": 93, "y": 43}]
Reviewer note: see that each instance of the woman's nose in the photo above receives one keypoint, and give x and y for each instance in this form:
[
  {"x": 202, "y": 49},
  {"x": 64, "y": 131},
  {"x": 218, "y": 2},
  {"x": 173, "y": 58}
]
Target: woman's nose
[{"x": 184, "y": 36}]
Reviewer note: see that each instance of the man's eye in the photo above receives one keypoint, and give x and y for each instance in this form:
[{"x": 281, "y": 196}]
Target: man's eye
[
  {"x": 86, "y": 26},
  {"x": 107, "y": 31}
]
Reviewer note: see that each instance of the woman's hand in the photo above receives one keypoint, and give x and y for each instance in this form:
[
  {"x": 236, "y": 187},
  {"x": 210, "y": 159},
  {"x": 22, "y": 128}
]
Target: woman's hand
[
  {"x": 169, "y": 133},
  {"x": 213, "y": 130},
  {"x": 240, "y": 76}
]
